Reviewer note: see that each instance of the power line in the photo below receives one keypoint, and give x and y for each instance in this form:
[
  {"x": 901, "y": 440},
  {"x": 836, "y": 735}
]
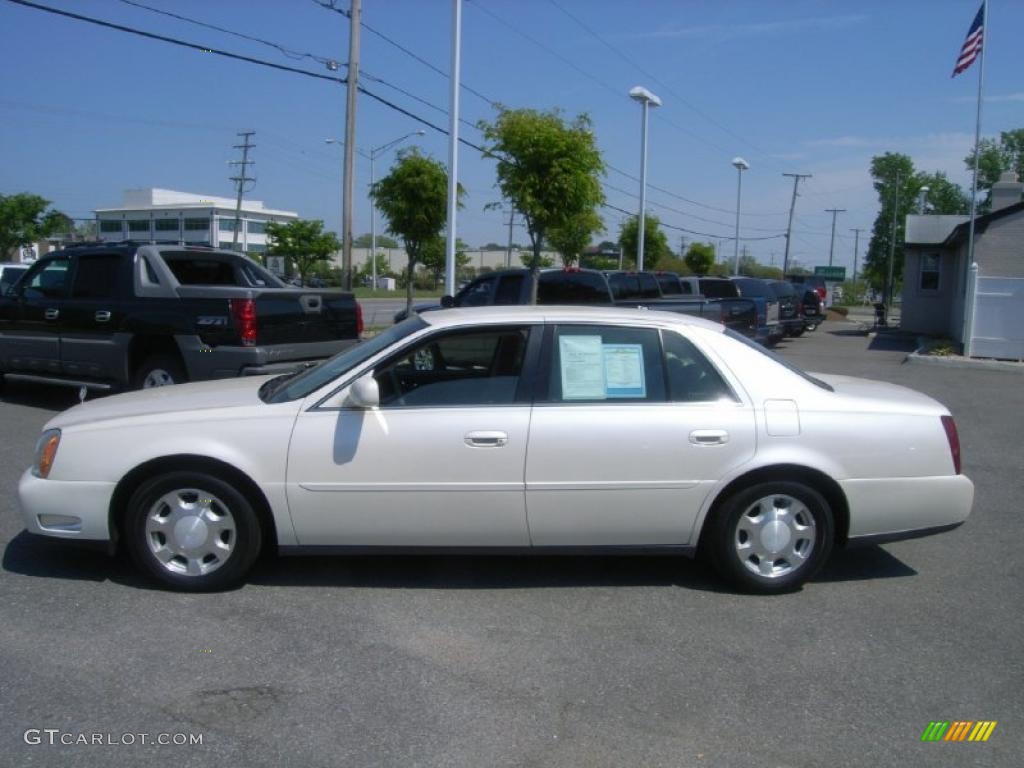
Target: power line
[
  {"x": 175, "y": 41},
  {"x": 632, "y": 214},
  {"x": 730, "y": 211}
]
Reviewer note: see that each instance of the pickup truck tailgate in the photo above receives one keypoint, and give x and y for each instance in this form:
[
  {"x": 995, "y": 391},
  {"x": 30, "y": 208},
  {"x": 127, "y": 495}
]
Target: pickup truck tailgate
[{"x": 286, "y": 316}]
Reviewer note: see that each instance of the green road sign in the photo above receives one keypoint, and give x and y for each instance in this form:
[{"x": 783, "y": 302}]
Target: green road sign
[{"x": 831, "y": 273}]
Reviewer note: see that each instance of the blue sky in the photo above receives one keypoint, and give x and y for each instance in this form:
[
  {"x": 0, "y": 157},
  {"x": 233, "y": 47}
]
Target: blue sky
[{"x": 809, "y": 86}]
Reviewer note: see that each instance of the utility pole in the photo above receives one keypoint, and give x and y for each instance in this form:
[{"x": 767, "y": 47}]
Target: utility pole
[
  {"x": 892, "y": 247},
  {"x": 832, "y": 246},
  {"x": 789, "y": 228},
  {"x": 348, "y": 180},
  {"x": 511, "y": 220},
  {"x": 240, "y": 180},
  {"x": 856, "y": 249}
]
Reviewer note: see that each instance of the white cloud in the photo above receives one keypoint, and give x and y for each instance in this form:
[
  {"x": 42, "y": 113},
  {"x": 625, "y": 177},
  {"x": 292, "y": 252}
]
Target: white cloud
[{"x": 720, "y": 32}]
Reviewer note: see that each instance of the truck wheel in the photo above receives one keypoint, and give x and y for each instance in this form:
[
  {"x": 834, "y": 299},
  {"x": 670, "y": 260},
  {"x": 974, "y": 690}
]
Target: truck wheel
[{"x": 159, "y": 371}]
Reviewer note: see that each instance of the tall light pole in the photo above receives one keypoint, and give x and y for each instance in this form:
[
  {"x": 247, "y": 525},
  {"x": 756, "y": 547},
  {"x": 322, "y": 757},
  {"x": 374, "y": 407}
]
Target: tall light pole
[
  {"x": 832, "y": 245},
  {"x": 453, "y": 149},
  {"x": 741, "y": 165},
  {"x": 374, "y": 153},
  {"x": 856, "y": 251},
  {"x": 892, "y": 248},
  {"x": 647, "y": 100},
  {"x": 348, "y": 176}
]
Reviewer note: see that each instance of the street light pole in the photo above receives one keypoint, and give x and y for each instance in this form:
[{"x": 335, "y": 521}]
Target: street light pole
[
  {"x": 741, "y": 165},
  {"x": 647, "y": 100}
]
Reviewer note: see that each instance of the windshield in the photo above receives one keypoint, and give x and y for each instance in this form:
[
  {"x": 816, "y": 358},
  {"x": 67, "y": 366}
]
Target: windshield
[
  {"x": 778, "y": 359},
  {"x": 312, "y": 379}
]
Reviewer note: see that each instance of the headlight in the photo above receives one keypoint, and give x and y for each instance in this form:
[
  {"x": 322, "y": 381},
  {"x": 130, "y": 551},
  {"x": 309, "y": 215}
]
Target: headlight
[{"x": 46, "y": 452}]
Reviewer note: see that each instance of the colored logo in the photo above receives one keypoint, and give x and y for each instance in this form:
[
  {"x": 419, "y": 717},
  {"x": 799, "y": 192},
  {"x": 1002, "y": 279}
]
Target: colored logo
[{"x": 958, "y": 730}]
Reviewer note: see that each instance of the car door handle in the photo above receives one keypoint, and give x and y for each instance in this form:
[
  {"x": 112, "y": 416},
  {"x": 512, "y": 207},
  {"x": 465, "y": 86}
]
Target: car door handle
[
  {"x": 486, "y": 439},
  {"x": 102, "y": 316},
  {"x": 51, "y": 314},
  {"x": 709, "y": 437}
]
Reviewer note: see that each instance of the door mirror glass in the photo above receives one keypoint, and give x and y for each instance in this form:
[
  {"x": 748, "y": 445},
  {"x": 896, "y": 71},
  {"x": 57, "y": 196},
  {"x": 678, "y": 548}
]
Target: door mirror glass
[
  {"x": 447, "y": 302},
  {"x": 364, "y": 393}
]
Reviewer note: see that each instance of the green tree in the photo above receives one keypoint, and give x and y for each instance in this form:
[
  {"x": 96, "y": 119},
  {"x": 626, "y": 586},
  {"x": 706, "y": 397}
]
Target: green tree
[
  {"x": 571, "y": 237},
  {"x": 366, "y": 241},
  {"x": 24, "y": 219},
  {"x": 549, "y": 170},
  {"x": 886, "y": 170},
  {"x": 700, "y": 258},
  {"x": 303, "y": 242},
  {"x": 997, "y": 156},
  {"x": 944, "y": 196},
  {"x": 531, "y": 260},
  {"x": 414, "y": 200},
  {"x": 434, "y": 258},
  {"x": 656, "y": 245},
  {"x": 364, "y": 272}
]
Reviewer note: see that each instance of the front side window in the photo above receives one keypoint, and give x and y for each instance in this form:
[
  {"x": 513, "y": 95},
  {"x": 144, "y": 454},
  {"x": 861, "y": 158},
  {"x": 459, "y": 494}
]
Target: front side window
[
  {"x": 930, "y": 272},
  {"x": 478, "y": 293},
  {"x": 456, "y": 369},
  {"x": 595, "y": 363},
  {"x": 50, "y": 280}
]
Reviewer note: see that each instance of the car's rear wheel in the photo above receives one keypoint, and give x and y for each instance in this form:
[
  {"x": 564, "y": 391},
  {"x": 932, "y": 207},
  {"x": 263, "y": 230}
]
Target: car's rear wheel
[
  {"x": 192, "y": 531},
  {"x": 159, "y": 371},
  {"x": 771, "y": 537}
]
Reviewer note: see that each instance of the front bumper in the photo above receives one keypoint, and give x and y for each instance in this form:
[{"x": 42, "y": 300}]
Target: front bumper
[
  {"x": 65, "y": 509},
  {"x": 905, "y": 507}
]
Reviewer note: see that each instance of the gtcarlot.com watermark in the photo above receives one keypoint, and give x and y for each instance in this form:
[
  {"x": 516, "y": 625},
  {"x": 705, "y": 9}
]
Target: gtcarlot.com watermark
[{"x": 56, "y": 737}]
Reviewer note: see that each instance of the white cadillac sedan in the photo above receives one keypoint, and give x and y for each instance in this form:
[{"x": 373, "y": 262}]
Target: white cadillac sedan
[{"x": 507, "y": 430}]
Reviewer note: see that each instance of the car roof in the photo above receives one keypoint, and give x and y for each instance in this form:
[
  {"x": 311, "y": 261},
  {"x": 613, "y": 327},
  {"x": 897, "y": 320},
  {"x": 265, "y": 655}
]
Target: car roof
[{"x": 564, "y": 314}]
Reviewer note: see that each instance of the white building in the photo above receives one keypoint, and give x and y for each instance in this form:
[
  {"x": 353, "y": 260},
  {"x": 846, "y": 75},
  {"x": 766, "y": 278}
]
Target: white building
[{"x": 165, "y": 216}]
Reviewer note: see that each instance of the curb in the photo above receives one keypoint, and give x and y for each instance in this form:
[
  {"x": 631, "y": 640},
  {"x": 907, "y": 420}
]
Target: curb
[{"x": 917, "y": 358}]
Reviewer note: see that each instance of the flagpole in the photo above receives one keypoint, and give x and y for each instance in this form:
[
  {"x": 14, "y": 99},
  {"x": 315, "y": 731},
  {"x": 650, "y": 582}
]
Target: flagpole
[{"x": 969, "y": 304}]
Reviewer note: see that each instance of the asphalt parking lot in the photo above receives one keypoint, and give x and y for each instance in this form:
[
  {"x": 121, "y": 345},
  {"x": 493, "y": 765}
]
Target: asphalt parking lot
[{"x": 528, "y": 662}]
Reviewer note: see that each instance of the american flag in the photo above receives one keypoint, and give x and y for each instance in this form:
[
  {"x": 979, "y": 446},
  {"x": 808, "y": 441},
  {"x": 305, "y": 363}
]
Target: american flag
[{"x": 972, "y": 45}]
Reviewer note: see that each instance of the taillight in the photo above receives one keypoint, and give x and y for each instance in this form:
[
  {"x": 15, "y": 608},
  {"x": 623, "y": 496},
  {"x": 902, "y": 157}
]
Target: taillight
[
  {"x": 359, "y": 319},
  {"x": 954, "y": 440},
  {"x": 821, "y": 293},
  {"x": 243, "y": 311}
]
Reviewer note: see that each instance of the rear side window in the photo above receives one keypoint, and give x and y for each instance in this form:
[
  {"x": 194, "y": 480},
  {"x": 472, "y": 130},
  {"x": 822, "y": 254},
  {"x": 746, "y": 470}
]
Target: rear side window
[
  {"x": 97, "y": 277},
  {"x": 597, "y": 363},
  {"x": 624, "y": 286},
  {"x": 670, "y": 285},
  {"x": 691, "y": 376},
  {"x": 509, "y": 289},
  {"x": 648, "y": 286},
  {"x": 572, "y": 288},
  {"x": 718, "y": 289}
]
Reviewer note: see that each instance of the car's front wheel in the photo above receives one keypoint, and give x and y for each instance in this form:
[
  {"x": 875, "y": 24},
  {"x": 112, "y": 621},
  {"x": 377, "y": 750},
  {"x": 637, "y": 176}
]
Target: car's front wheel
[
  {"x": 192, "y": 531},
  {"x": 771, "y": 537}
]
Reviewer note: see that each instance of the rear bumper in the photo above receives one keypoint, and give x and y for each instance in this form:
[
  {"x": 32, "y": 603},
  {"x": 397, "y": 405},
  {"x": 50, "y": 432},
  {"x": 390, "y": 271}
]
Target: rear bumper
[
  {"x": 205, "y": 362},
  {"x": 906, "y": 507}
]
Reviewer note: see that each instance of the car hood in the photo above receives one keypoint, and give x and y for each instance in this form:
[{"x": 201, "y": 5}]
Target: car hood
[
  {"x": 203, "y": 395},
  {"x": 880, "y": 395}
]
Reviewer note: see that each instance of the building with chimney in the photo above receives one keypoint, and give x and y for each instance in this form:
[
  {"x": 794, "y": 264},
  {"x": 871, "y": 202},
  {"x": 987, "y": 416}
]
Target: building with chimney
[{"x": 983, "y": 309}]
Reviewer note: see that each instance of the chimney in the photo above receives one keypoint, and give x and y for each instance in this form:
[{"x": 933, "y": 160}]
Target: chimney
[{"x": 1007, "y": 191}]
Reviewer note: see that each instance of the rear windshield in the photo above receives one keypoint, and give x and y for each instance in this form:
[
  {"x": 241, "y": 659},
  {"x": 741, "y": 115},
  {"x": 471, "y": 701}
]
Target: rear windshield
[{"x": 213, "y": 269}]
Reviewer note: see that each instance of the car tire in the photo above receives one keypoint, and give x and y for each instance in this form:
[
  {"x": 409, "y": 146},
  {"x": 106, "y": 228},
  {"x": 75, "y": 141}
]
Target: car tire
[
  {"x": 159, "y": 371},
  {"x": 797, "y": 333},
  {"x": 771, "y": 537},
  {"x": 812, "y": 326},
  {"x": 192, "y": 531}
]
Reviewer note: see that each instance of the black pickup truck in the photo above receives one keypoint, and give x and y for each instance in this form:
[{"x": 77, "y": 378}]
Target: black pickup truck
[
  {"x": 588, "y": 286},
  {"x": 133, "y": 316}
]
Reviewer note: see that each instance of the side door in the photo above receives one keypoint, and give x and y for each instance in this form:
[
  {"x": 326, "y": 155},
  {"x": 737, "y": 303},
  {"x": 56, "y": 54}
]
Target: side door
[
  {"x": 92, "y": 344},
  {"x": 439, "y": 464},
  {"x": 30, "y": 324},
  {"x": 631, "y": 429}
]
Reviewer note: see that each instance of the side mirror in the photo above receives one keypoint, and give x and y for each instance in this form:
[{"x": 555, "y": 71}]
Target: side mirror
[
  {"x": 364, "y": 393},
  {"x": 447, "y": 302}
]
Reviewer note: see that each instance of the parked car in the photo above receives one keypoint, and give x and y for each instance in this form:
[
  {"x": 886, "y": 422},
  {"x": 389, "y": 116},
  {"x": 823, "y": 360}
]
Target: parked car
[
  {"x": 128, "y": 316},
  {"x": 510, "y": 430},
  {"x": 815, "y": 283},
  {"x": 814, "y": 309},
  {"x": 588, "y": 286},
  {"x": 10, "y": 273},
  {"x": 769, "y": 330}
]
